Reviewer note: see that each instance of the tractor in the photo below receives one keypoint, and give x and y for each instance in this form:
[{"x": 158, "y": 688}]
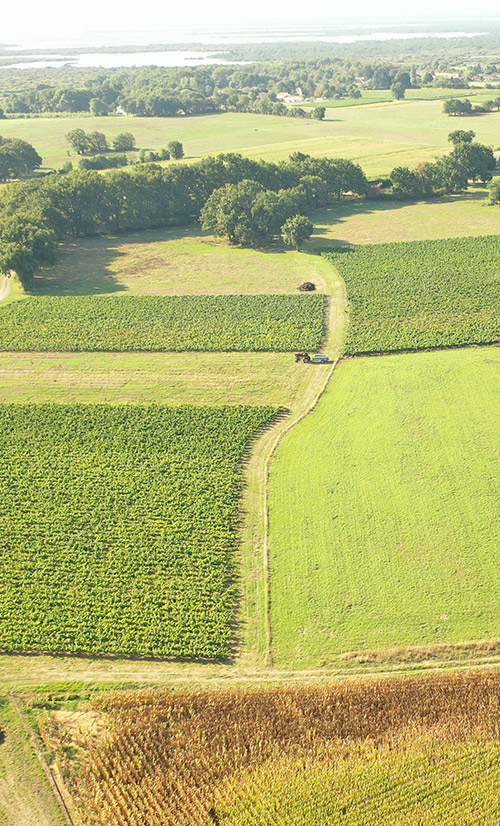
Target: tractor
[{"x": 319, "y": 358}]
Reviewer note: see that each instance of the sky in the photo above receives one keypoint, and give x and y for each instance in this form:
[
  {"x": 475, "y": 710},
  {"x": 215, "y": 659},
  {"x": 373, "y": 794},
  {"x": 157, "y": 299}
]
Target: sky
[{"x": 54, "y": 19}]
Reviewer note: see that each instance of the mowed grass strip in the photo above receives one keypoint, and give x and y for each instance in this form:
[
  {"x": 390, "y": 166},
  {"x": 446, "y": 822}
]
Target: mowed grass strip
[
  {"x": 423, "y": 294},
  {"x": 384, "y": 527},
  {"x": 119, "y": 527},
  {"x": 82, "y": 323},
  {"x": 146, "y": 378}
]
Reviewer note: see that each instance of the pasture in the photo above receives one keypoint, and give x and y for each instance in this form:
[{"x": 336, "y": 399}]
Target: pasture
[
  {"x": 421, "y": 294},
  {"x": 159, "y": 323},
  {"x": 180, "y": 261},
  {"x": 382, "y": 510},
  {"x": 120, "y": 526},
  {"x": 381, "y": 222},
  {"x": 379, "y": 136}
]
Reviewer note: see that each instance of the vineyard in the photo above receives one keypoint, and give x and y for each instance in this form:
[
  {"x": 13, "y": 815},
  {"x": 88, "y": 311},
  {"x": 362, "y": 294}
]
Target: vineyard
[
  {"x": 407, "y": 751},
  {"x": 119, "y": 527},
  {"x": 209, "y": 322},
  {"x": 423, "y": 294}
]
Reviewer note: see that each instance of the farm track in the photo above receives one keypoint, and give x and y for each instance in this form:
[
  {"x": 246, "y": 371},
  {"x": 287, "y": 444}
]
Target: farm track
[
  {"x": 5, "y": 287},
  {"x": 256, "y": 552}
]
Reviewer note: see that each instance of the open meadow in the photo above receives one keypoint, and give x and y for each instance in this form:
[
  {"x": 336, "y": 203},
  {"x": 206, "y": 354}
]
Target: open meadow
[
  {"x": 383, "y": 506},
  {"x": 379, "y": 136},
  {"x": 176, "y": 261}
]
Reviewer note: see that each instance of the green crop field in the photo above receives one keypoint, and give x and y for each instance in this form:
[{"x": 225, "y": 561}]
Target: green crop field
[
  {"x": 410, "y": 296},
  {"x": 379, "y": 136},
  {"x": 383, "y": 506},
  {"x": 80, "y": 323},
  {"x": 180, "y": 261},
  {"x": 145, "y": 378},
  {"x": 380, "y": 222},
  {"x": 119, "y": 527}
]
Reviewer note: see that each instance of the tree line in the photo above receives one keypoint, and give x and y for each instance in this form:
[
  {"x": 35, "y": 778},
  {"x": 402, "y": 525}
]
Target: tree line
[
  {"x": 36, "y": 215},
  {"x": 246, "y": 201}
]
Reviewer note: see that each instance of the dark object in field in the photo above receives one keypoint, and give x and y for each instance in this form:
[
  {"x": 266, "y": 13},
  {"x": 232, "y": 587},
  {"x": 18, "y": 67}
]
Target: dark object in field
[
  {"x": 305, "y": 357},
  {"x": 307, "y": 287}
]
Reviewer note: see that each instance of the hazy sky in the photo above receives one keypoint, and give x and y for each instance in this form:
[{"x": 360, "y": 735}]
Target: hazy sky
[{"x": 53, "y": 18}]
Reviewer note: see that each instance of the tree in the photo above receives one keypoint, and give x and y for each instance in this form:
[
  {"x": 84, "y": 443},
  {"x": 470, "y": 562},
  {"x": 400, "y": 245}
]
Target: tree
[
  {"x": 97, "y": 142},
  {"x": 79, "y": 141},
  {"x": 494, "y": 190},
  {"x": 227, "y": 212},
  {"x": 398, "y": 91},
  {"x": 296, "y": 230},
  {"x": 176, "y": 149},
  {"x": 476, "y": 159},
  {"x": 26, "y": 244},
  {"x": 124, "y": 142},
  {"x": 319, "y": 112},
  {"x": 461, "y": 136},
  {"x": 17, "y": 158},
  {"x": 98, "y": 107},
  {"x": 453, "y": 106},
  {"x": 405, "y": 183}
]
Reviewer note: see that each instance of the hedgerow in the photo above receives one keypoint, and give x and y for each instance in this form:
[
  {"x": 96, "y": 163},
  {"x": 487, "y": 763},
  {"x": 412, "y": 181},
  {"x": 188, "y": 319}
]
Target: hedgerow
[
  {"x": 422, "y": 294},
  {"x": 118, "y": 527},
  {"x": 192, "y": 322}
]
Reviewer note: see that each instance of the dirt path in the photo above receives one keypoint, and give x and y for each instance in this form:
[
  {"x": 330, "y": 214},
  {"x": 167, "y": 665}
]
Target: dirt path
[
  {"x": 254, "y": 626},
  {"x": 5, "y": 287}
]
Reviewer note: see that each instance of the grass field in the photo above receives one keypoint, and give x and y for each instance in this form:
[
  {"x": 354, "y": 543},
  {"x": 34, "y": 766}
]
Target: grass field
[
  {"x": 379, "y": 137},
  {"x": 182, "y": 261},
  {"x": 421, "y": 294},
  {"x": 380, "y": 222},
  {"x": 120, "y": 526},
  {"x": 383, "y": 507},
  {"x": 144, "y": 378},
  {"x": 25, "y": 797}
]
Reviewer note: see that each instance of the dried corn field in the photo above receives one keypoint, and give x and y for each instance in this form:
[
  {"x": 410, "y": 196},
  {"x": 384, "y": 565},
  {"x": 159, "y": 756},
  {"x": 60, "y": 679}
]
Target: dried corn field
[{"x": 419, "y": 750}]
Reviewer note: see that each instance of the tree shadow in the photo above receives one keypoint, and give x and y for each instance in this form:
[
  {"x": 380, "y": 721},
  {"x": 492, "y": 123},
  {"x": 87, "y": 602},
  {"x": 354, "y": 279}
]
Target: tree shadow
[
  {"x": 324, "y": 219},
  {"x": 85, "y": 266}
]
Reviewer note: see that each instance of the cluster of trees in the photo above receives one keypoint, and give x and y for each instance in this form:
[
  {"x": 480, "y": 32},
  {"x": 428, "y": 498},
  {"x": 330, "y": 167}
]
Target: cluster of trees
[
  {"x": 250, "y": 214},
  {"x": 36, "y": 215},
  {"x": 89, "y": 143},
  {"x": 17, "y": 158},
  {"x": 468, "y": 161},
  {"x": 454, "y": 107}
]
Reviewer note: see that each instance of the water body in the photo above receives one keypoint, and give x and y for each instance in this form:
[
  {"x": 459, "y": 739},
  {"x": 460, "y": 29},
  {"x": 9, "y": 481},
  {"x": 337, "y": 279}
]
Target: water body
[{"x": 191, "y": 57}]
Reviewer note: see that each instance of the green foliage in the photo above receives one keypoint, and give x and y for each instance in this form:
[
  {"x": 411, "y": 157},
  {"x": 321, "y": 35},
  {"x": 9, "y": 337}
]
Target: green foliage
[
  {"x": 124, "y": 142},
  {"x": 206, "y": 322},
  {"x": 87, "y": 143},
  {"x": 296, "y": 230},
  {"x": 17, "y": 158},
  {"x": 461, "y": 136},
  {"x": 494, "y": 190},
  {"x": 319, "y": 112},
  {"x": 454, "y": 106},
  {"x": 119, "y": 527},
  {"x": 175, "y": 149},
  {"x": 409, "y": 296},
  {"x": 398, "y": 91},
  {"x": 103, "y": 162}
]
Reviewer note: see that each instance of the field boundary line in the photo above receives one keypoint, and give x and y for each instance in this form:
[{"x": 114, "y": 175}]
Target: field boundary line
[
  {"x": 6, "y": 286},
  {"x": 35, "y": 745},
  {"x": 266, "y": 546}
]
